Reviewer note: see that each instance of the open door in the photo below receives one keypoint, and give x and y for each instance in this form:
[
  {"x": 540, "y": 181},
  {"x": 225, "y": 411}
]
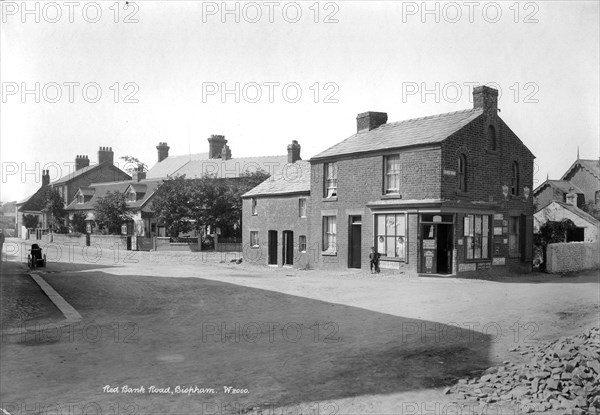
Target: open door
[
  {"x": 272, "y": 242},
  {"x": 354, "y": 247},
  {"x": 288, "y": 248}
]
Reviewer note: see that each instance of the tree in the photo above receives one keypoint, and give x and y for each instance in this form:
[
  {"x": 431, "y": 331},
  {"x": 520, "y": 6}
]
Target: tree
[
  {"x": 552, "y": 232},
  {"x": 218, "y": 202},
  {"x": 133, "y": 163},
  {"x": 171, "y": 205},
  {"x": 30, "y": 221},
  {"x": 112, "y": 212},
  {"x": 54, "y": 208},
  {"x": 78, "y": 222}
]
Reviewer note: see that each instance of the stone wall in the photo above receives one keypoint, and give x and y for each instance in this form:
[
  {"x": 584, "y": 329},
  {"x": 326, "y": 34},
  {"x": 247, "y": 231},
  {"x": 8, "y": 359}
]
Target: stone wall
[{"x": 572, "y": 256}]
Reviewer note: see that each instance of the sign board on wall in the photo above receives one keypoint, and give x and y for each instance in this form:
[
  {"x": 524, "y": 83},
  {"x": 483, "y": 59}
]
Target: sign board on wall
[
  {"x": 498, "y": 216},
  {"x": 499, "y": 261},
  {"x": 466, "y": 267},
  {"x": 497, "y": 230},
  {"x": 429, "y": 244}
]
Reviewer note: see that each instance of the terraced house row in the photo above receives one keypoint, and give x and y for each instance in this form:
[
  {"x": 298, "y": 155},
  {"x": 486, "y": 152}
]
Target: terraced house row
[{"x": 448, "y": 194}]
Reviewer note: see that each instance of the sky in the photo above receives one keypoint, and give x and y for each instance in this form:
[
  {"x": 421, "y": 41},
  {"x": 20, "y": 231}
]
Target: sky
[{"x": 77, "y": 76}]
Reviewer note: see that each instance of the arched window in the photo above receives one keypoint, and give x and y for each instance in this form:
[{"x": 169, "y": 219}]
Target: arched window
[
  {"x": 514, "y": 181},
  {"x": 493, "y": 139},
  {"x": 462, "y": 173}
]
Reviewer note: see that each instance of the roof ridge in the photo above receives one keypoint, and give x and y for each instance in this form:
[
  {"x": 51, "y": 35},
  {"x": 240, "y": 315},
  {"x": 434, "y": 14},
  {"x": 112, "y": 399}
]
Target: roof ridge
[{"x": 429, "y": 116}]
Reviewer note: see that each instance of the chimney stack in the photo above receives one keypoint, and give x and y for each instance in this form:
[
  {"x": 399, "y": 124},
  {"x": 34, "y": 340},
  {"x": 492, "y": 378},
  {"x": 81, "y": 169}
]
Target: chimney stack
[
  {"x": 225, "y": 153},
  {"x": 105, "y": 154},
  {"x": 163, "y": 151},
  {"x": 139, "y": 173},
  {"x": 485, "y": 98},
  {"x": 81, "y": 162},
  {"x": 45, "y": 177},
  {"x": 293, "y": 152},
  {"x": 215, "y": 146},
  {"x": 370, "y": 120}
]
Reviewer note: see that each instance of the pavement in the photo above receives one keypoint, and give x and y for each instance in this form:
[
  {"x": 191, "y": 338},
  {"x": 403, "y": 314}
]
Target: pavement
[{"x": 23, "y": 302}]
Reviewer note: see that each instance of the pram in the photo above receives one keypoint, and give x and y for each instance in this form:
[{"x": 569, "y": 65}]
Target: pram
[{"x": 35, "y": 258}]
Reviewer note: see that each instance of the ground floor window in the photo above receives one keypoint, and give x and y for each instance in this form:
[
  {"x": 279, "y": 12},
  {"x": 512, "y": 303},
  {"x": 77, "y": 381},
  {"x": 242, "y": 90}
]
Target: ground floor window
[
  {"x": 477, "y": 236},
  {"x": 302, "y": 243},
  {"x": 254, "y": 238},
  {"x": 329, "y": 234},
  {"x": 390, "y": 235},
  {"x": 514, "y": 237}
]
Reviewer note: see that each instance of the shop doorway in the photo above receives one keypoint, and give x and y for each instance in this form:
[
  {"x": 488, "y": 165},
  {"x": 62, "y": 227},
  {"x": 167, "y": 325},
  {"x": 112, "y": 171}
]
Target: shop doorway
[{"x": 436, "y": 248}]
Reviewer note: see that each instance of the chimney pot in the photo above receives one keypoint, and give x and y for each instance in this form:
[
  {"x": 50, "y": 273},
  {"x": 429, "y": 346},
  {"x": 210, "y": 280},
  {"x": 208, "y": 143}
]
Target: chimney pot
[
  {"x": 215, "y": 146},
  {"x": 163, "y": 151},
  {"x": 105, "y": 154},
  {"x": 293, "y": 152},
  {"x": 485, "y": 98},
  {"x": 370, "y": 120},
  {"x": 45, "y": 177}
]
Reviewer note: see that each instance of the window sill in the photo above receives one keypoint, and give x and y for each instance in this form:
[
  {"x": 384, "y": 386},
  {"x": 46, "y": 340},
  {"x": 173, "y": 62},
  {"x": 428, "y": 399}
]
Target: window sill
[
  {"x": 330, "y": 199},
  {"x": 255, "y": 214},
  {"x": 254, "y": 246},
  {"x": 477, "y": 261},
  {"x": 391, "y": 259},
  {"x": 328, "y": 253},
  {"x": 391, "y": 196},
  {"x": 490, "y": 151}
]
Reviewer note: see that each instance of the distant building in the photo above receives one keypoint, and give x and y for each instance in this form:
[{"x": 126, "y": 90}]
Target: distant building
[
  {"x": 83, "y": 176},
  {"x": 218, "y": 162},
  {"x": 582, "y": 179}
]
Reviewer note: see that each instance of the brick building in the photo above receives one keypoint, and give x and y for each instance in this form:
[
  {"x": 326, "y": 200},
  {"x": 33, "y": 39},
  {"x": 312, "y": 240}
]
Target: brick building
[
  {"x": 446, "y": 194},
  {"x": 82, "y": 176},
  {"x": 275, "y": 215}
]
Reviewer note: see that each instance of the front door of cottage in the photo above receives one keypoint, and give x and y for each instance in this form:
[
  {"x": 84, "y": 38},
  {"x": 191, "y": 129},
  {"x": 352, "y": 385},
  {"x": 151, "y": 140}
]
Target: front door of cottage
[
  {"x": 272, "y": 249},
  {"x": 354, "y": 247},
  {"x": 288, "y": 248}
]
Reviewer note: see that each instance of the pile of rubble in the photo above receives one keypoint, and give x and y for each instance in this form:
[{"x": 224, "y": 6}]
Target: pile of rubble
[{"x": 563, "y": 376}]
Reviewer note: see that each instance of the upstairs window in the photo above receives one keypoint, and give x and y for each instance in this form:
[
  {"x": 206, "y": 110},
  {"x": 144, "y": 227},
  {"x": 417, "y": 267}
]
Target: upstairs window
[
  {"x": 462, "y": 173},
  {"x": 331, "y": 179},
  {"x": 254, "y": 207},
  {"x": 392, "y": 174},
  {"x": 514, "y": 181},
  {"x": 80, "y": 198},
  {"x": 492, "y": 138},
  {"x": 302, "y": 207},
  {"x": 132, "y": 197}
]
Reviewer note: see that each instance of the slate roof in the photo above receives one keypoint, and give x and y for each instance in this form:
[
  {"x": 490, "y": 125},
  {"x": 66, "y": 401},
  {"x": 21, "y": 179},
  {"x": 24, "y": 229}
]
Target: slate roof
[
  {"x": 562, "y": 185},
  {"x": 33, "y": 203},
  {"x": 575, "y": 210},
  {"x": 101, "y": 189},
  {"x": 592, "y": 166},
  {"x": 293, "y": 178},
  {"x": 170, "y": 165},
  {"x": 416, "y": 131},
  {"x": 77, "y": 173},
  {"x": 233, "y": 167}
]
